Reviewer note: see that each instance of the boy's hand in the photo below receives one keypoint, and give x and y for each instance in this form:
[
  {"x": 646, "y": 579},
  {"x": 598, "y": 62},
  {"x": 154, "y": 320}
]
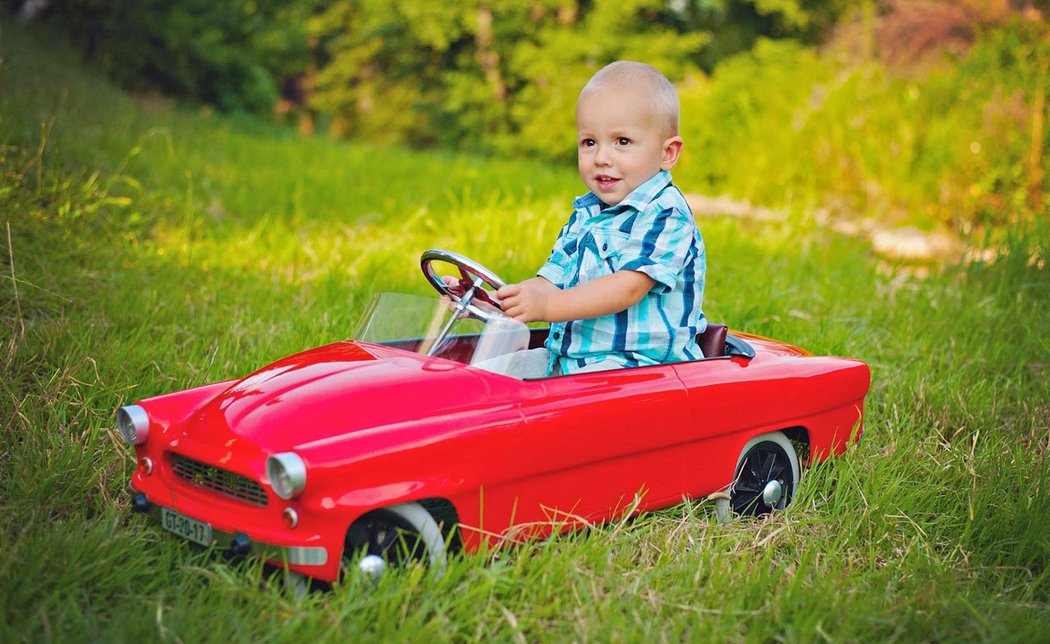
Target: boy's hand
[
  {"x": 525, "y": 301},
  {"x": 483, "y": 299},
  {"x": 454, "y": 285},
  {"x": 537, "y": 299}
]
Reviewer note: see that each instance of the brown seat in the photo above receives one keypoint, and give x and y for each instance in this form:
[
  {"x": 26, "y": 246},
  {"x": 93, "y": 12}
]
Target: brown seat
[{"x": 713, "y": 340}]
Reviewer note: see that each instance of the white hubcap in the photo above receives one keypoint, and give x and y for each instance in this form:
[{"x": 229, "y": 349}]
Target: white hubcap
[
  {"x": 373, "y": 566},
  {"x": 772, "y": 492}
]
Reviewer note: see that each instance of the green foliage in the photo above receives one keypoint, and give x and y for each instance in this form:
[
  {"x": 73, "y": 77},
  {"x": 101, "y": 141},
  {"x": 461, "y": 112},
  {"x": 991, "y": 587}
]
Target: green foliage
[
  {"x": 493, "y": 76},
  {"x": 230, "y": 54},
  {"x": 953, "y": 146},
  {"x": 554, "y": 67},
  {"x": 950, "y": 144}
]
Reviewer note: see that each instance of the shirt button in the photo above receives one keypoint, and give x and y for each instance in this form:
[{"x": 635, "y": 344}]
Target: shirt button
[
  {"x": 605, "y": 246},
  {"x": 556, "y": 335}
]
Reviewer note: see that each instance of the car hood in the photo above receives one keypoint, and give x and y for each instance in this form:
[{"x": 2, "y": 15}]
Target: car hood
[{"x": 336, "y": 389}]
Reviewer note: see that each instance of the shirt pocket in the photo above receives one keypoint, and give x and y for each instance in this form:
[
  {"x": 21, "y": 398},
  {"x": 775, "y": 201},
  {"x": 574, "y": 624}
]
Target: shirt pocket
[{"x": 603, "y": 255}]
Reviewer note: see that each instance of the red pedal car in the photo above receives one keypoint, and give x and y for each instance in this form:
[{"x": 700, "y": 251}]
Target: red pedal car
[{"x": 398, "y": 446}]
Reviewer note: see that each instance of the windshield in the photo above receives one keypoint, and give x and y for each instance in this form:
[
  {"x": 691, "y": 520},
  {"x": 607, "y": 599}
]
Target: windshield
[{"x": 416, "y": 323}]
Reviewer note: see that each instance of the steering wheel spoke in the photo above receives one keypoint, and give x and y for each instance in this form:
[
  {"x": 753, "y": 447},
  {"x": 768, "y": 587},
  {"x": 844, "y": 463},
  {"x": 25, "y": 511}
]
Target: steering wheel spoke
[{"x": 474, "y": 278}]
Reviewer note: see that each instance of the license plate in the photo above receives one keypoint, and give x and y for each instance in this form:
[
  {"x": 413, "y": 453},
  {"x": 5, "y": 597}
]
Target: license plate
[{"x": 185, "y": 527}]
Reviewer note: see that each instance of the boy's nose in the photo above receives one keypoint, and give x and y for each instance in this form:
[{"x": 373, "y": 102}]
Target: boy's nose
[{"x": 601, "y": 156}]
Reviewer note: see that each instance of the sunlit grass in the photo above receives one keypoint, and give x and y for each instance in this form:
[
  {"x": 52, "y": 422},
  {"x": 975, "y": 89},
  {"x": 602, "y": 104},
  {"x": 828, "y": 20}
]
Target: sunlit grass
[{"x": 158, "y": 248}]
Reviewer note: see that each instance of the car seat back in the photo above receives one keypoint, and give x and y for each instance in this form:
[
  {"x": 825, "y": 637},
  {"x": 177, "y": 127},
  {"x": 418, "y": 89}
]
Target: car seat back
[{"x": 713, "y": 340}]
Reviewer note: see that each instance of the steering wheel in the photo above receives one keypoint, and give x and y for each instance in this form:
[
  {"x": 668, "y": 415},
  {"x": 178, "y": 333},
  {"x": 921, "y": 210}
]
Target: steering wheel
[{"x": 470, "y": 292}]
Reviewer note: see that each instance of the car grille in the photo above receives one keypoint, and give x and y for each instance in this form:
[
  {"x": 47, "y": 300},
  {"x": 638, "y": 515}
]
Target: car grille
[{"x": 218, "y": 480}]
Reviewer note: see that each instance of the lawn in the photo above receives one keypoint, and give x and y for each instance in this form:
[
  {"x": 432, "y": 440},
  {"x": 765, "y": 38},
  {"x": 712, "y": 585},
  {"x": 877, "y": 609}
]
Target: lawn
[{"x": 147, "y": 247}]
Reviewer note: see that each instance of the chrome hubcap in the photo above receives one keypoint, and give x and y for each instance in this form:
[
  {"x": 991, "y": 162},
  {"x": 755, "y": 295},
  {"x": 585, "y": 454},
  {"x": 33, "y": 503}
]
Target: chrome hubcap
[
  {"x": 373, "y": 566},
  {"x": 772, "y": 492}
]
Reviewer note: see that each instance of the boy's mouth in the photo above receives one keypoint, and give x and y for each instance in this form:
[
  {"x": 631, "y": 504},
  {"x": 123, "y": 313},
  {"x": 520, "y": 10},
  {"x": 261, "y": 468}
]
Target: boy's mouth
[{"x": 605, "y": 182}]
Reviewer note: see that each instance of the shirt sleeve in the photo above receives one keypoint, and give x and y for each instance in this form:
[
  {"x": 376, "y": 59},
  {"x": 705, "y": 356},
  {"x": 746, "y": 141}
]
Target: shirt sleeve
[
  {"x": 658, "y": 245},
  {"x": 552, "y": 272}
]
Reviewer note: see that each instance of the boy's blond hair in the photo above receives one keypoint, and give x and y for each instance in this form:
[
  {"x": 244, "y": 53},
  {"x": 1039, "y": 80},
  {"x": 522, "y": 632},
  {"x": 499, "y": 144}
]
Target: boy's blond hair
[{"x": 639, "y": 77}]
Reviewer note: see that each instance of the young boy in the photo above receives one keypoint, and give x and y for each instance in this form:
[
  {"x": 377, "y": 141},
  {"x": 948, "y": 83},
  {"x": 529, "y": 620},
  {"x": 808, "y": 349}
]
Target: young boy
[{"x": 625, "y": 281}]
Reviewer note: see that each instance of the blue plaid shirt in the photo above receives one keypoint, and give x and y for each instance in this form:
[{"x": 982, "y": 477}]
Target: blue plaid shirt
[{"x": 652, "y": 231}]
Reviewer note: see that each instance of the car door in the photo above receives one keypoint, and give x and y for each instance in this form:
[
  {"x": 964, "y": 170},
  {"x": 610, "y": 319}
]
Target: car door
[
  {"x": 723, "y": 399},
  {"x": 591, "y": 443}
]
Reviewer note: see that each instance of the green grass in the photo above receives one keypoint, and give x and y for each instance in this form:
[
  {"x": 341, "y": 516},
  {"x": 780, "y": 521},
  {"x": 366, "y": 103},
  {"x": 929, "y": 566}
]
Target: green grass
[{"x": 157, "y": 247}]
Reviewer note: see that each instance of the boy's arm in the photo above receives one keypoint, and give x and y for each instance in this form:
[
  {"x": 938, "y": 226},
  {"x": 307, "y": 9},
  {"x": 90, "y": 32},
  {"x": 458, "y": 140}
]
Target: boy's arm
[{"x": 536, "y": 299}]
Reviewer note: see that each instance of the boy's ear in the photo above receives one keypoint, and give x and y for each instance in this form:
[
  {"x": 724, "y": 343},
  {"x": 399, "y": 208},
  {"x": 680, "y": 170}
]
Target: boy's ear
[{"x": 672, "y": 149}]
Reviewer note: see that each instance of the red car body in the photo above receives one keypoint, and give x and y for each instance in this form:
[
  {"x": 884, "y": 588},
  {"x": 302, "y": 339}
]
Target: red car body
[{"x": 503, "y": 458}]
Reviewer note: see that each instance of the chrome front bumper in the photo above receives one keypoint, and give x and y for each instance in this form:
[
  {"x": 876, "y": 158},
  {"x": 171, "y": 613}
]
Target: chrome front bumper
[{"x": 240, "y": 544}]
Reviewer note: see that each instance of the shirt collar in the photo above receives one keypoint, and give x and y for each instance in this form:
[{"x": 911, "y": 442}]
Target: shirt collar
[{"x": 638, "y": 199}]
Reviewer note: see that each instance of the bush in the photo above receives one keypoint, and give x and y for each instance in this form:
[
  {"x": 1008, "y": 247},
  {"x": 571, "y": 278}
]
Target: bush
[
  {"x": 959, "y": 143},
  {"x": 230, "y": 54}
]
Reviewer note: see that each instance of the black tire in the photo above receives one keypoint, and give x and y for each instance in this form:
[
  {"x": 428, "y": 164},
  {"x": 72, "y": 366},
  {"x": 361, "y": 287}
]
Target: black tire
[
  {"x": 400, "y": 534},
  {"x": 766, "y": 476}
]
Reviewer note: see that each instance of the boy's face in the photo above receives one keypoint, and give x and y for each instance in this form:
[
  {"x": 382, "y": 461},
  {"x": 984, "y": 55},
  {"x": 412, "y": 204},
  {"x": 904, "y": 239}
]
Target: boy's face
[{"x": 622, "y": 141}]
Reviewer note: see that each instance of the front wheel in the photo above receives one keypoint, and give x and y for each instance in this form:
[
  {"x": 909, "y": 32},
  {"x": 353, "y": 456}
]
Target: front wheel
[
  {"x": 767, "y": 474},
  {"x": 396, "y": 535}
]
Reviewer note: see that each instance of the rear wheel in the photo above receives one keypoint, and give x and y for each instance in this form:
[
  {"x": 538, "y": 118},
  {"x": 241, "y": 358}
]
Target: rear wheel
[
  {"x": 396, "y": 535},
  {"x": 767, "y": 474}
]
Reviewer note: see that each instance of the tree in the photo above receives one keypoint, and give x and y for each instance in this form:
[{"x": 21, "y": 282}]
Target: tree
[
  {"x": 232, "y": 54},
  {"x": 493, "y": 75}
]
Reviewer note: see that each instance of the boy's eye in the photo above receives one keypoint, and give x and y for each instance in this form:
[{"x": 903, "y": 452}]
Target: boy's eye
[
  {"x": 586, "y": 143},
  {"x": 623, "y": 141}
]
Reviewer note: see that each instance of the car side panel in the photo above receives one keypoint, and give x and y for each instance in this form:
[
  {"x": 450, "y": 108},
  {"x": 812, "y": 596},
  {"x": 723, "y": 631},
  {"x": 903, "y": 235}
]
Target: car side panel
[
  {"x": 743, "y": 398},
  {"x": 585, "y": 449}
]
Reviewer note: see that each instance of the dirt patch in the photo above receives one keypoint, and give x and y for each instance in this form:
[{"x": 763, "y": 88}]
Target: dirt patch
[{"x": 901, "y": 242}]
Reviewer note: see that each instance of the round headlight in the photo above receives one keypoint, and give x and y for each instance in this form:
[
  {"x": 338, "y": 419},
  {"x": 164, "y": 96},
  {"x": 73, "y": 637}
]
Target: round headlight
[
  {"x": 133, "y": 423},
  {"x": 287, "y": 474}
]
